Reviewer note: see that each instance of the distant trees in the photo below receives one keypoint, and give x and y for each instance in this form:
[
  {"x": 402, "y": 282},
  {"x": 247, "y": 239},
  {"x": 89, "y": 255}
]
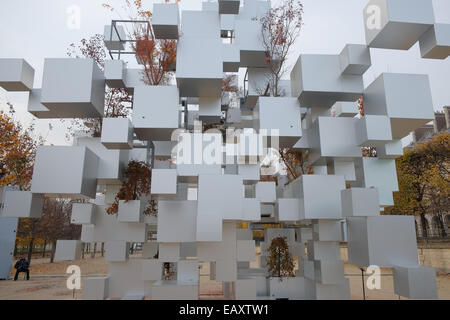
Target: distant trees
[{"x": 424, "y": 181}]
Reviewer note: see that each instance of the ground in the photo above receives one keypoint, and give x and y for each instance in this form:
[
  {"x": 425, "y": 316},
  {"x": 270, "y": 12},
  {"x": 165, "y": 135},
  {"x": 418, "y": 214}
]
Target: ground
[{"x": 48, "y": 281}]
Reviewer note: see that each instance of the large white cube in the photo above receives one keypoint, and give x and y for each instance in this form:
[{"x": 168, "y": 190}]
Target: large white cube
[
  {"x": 67, "y": 250},
  {"x": 360, "y": 202},
  {"x": 131, "y": 211},
  {"x": 265, "y": 191},
  {"x": 397, "y": 24},
  {"x": 415, "y": 282},
  {"x": 164, "y": 182},
  {"x": 318, "y": 82},
  {"x": 117, "y": 133},
  {"x": 248, "y": 39},
  {"x": 373, "y": 131},
  {"x": 165, "y": 20},
  {"x": 405, "y": 98},
  {"x": 16, "y": 75},
  {"x": 282, "y": 114},
  {"x": 117, "y": 251},
  {"x": 384, "y": 241},
  {"x": 355, "y": 59},
  {"x": 73, "y": 88},
  {"x": 187, "y": 271},
  {"x": 52, "y": 177},
  {"x": 155, "y": 112},
  {"x": 310, "y": 188},
  {"x": 177, "y": 221},
  {"x": 22, "y": 204},
  {"x": 112, "y": 162},
  {"x": 287, "y": 209},
  {"x": 82, "y": 213},
  {"x": 327, "y": 230}
]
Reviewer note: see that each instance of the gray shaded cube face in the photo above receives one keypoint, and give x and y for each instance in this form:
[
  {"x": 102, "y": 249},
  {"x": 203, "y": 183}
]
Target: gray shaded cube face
[
  {"x": 16, "y": 75},
  {"x": 435, "y": 43},
  {"x": 73, "y": 88}
]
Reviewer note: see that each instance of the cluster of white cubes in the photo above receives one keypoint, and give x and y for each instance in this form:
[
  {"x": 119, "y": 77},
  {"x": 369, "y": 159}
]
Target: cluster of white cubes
[{"x": 212, "y": 189}]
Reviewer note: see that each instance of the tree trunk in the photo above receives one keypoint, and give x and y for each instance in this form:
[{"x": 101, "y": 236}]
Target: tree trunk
[
  {"x": 441, "y": 223},
  {"x": 15, "y": 248},
  {"x": 52, "y": 252},
  {"x": 103, "y": 249},
  {"x": 43, "y": 251},
  {"x": 93, "y": 251},
  {"x": 424, "y": 222},
  {"x": 30, "y": 250},
  {"x": 83, "y": 245}
]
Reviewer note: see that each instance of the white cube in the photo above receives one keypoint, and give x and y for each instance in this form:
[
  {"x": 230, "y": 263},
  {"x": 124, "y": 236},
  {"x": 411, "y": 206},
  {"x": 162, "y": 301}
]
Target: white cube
[
  {"x": 396, "y": 24},
  {"x": 22, "y": 204},
  {"x": 251, "y": 209},
  {"x": 164, "y": 182},
  {"x": 95, "y": 288},
  {"x": 73, "y": 88},
  {"x": 373, "y": 130},
  {"x": 346, "y": 109},
  {"x": 67, "y": 250},
  {"x": 165, "y": 20},
  {"x": 177, "y": 221},
  {"x": 117, "y": 133},
  {"x": 115, "y": 73},
  {"x": 329, "y": 271},
  {"x": 287, "y": 209},
  {"x": 360, "y": 202},
  {"x": 355, "y": 59},
  {"x": 117, "y": 251},
  {"x": 131, "y": 211},
  {"x": 383, "y": 241},
  {"x": 415, "y": 282},
  {"x": 51, "y": 177},
  {"x": 309, "y": 188},
  {"x": 390, "y": 150},
  {"x": 231, "y": 57},
  {"x": 281, "y": 114},
  {"x": 405, "y": 98},
  {"x": 187, "y": 271},
  {"x": 155, "y": 112},
  {"x": 149, "y": 250},
  {"x": 265, "y": 191},
  {"x": 209, "y": 109},
  {"x": 82, "y": 213},
  {"x": 327, "y": 230},
  {"x": 435, "y": 43},
  {"x": 16, "y": 75}
]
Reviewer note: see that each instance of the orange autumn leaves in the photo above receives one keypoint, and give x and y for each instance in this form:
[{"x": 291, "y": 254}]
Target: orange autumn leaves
[{"x": 17, "y": 153}]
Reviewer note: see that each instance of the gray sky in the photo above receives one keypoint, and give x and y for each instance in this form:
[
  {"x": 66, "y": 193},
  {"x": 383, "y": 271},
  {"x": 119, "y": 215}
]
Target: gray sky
[{"x": 37, "y": 29}]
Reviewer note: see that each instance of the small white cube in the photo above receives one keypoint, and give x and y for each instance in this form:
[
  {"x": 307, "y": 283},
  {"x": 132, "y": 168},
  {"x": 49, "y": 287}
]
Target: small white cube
[
  {"x": 117, "y": 251},
  {"x": 82, "y": 213}
]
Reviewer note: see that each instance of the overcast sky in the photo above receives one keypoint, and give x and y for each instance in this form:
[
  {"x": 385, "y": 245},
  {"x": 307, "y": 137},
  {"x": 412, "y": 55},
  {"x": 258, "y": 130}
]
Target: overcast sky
[{"x": 38, "y": 29}]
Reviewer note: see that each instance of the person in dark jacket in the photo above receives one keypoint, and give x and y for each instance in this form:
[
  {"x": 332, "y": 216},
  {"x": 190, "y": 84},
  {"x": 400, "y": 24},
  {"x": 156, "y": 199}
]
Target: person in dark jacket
[{"x": 22, "y": 266}]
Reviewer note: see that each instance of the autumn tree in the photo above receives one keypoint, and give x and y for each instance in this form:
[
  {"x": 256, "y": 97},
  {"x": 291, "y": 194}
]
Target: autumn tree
[
  {"x": 137, "y": 184},
  {"x": 117, "y": 100},
  {"x": 280, "y": 262},
  {"x": 296, "y": 163},
  {"x": 158, "y": 56},
  {"x": 423, "y": 179},
  {"x": 280, "y": 28}
]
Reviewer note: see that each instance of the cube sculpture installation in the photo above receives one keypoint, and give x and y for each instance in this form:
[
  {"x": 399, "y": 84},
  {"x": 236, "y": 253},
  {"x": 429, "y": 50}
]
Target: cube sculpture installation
[{"x": 212, "y": 189}]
